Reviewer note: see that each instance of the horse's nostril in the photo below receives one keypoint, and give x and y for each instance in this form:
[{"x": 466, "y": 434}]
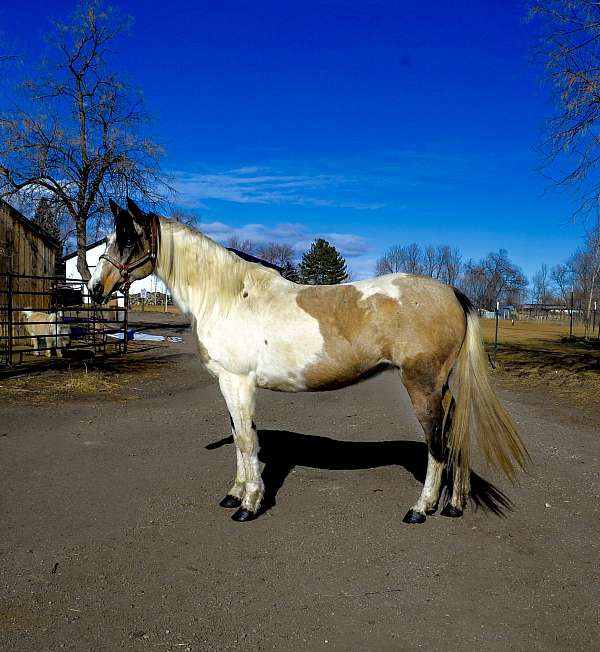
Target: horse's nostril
[{"x": 96, "y": 292}]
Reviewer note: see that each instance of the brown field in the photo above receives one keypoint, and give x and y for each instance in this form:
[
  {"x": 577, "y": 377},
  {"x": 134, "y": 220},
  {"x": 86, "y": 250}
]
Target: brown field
[
  {"x": 173, "y": 310},
  {"x": 534, "y": 355}
]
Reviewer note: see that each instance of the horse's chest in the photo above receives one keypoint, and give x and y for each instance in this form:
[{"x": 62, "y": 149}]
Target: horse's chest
[{"x": 276, "y": 351}]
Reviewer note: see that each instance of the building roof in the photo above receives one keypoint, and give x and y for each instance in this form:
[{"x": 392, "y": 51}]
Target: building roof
[
  {"x": 254, "y": 259},
  {"x": 31, "y": 226},
  {"x": 92, "y": 245}
]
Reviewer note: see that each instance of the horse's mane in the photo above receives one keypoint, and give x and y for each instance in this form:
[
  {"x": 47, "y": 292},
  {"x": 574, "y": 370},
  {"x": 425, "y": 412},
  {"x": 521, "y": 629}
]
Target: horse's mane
[{"x": 203, "y": 275}]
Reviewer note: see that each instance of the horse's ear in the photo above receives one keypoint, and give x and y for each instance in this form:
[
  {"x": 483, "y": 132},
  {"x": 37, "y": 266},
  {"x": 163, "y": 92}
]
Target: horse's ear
[
  {"x": 115, "y": 208},
  {"x": 134, "y": 210}
]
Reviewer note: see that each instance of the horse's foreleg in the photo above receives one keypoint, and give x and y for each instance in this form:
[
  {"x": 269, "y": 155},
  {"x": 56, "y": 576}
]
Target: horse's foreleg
[
  {"x": 239, "y": 393},
  {"x": 235, "y": 494}
]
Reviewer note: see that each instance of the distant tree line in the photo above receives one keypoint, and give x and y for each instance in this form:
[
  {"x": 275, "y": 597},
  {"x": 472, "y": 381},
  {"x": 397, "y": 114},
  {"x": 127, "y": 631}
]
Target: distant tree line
[
  {"x": 493, "y": 278},
  {"x": 322, "y": 264},
  {"x": 441, "y": 262},
  {"x": 578, "y": 276}
]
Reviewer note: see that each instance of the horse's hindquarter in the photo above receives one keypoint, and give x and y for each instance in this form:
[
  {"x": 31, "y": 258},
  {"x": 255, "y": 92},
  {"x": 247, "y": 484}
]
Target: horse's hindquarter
[{"x": 403, "y": 320}]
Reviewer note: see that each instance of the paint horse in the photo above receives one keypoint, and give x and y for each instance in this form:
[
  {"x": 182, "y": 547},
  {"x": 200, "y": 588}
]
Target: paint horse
[{"x": 256, "y": 329}]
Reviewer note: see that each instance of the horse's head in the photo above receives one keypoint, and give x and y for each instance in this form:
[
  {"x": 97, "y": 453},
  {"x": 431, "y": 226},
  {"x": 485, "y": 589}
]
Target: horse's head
[{"x": 130, "y": 252}]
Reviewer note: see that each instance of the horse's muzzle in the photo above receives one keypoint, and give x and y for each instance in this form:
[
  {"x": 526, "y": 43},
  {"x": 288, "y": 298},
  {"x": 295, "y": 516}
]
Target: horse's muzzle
[{"x": 96, "y": 291}]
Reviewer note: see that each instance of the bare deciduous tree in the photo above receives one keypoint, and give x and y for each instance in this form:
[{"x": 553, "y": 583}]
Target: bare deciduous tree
[
  {"x": 408, "y": 259},
  {"x": 568, "y": 46},
  {"x": 441, "y": 262},
  {"x": 242, "y": 244},
  {"x": 77, "y": 138},
  {"x": 450, "y": 264},
  {"x": 391, "y": 262},
  {"x": 185, "y": 217},
  {"x": 431, "y": 261},
  {"x": 277, "y": 253},
  {"x": 584, "y": 266},
  {"x": 540, "y": 290},
  {"x": 562, "y": 281},
  {"x": 494, "y": 278},
  {"x": 282, "y": 255}
]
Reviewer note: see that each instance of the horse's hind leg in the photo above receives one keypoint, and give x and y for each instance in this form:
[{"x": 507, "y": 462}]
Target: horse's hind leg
[
  {"x": 428, "y": 403},
  {"x": 461, "y": 485},
  {"x": 239, "y": 393}
]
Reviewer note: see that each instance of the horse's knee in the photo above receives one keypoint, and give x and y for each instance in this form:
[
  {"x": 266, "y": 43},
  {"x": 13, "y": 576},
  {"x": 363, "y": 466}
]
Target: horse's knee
[{"x": 247, "y": 447}]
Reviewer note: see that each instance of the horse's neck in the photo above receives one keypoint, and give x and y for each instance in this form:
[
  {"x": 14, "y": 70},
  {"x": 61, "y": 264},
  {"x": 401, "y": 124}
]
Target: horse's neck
[{"x": 204, "y": 278}]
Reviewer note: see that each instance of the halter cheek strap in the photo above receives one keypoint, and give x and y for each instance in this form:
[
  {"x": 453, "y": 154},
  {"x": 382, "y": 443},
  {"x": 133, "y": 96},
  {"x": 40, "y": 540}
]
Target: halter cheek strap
[{"x": 150, "y": 254}]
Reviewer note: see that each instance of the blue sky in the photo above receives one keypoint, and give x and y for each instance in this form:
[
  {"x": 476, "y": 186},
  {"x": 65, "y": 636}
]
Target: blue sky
[{"x": 369, "y": 123}]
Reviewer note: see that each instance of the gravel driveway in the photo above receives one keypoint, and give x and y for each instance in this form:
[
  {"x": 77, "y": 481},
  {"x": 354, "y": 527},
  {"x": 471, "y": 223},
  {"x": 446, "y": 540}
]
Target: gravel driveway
[{"x": 112, "y": 537}]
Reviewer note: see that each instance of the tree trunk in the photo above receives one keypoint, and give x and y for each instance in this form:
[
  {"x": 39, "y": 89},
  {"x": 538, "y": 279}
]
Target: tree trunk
[
  {"x": 588, "y": 313},
  {"x": 82, "y": 266}
]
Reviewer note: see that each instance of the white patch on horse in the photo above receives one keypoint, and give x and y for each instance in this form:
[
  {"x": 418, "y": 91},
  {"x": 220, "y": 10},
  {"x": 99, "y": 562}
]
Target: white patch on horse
[{"x": 380, "y": 285}]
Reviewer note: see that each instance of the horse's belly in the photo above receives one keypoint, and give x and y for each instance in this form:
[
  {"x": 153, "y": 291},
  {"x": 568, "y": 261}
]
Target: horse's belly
[{"x": 281, "y": 373}]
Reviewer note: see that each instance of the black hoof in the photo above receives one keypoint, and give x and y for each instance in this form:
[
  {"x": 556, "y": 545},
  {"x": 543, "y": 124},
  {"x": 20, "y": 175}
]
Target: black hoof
[
  {"x": 243, "y": 515},
  {"x": 414, "y": 517},
  {"x": 451, "y": 511},
  {"x": 230, "y": 501}
]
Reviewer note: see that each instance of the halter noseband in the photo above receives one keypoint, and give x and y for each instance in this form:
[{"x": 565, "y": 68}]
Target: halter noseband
[{"x": 150, "y": 254}]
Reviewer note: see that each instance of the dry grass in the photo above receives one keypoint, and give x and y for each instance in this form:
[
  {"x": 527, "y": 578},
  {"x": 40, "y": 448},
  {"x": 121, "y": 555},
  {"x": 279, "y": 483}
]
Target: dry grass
[
  {"x": 535, "y": 355},
  {"x": 519, "y": 331},
  {"x": 50, "y": 387},
  {"x": 173, "y": 310},
  {"x": 118, "y": 378}
]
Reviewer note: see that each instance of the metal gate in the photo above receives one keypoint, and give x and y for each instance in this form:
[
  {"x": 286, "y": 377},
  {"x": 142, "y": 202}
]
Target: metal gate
[{"x": 83, "y": 324}]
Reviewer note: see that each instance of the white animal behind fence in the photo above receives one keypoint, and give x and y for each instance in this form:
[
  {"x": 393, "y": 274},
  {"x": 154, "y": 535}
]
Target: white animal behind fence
[{"x": 47, "y": 331}]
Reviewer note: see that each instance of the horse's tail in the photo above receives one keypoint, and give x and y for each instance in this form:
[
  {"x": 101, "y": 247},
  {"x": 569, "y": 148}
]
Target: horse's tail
[{"x": 477, "y": 407}]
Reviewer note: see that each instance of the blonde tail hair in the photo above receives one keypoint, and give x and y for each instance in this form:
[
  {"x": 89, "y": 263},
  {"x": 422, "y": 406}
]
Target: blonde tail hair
[{"x": 477, "y": 408}]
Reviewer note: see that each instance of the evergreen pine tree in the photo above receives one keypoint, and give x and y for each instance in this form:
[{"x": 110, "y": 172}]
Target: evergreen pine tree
[
  {"x": 45, "y": 218},
  {"x": 323, "y": 265}
]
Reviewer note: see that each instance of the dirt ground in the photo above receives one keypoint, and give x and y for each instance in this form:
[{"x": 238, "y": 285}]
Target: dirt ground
[{"x": 112, "y": 537}]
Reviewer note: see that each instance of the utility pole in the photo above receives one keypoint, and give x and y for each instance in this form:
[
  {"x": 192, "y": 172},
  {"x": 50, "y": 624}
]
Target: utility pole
[{"x": 496, "y": 338}]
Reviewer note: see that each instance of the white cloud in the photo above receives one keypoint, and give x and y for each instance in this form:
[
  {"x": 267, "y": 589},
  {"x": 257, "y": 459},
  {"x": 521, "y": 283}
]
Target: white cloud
[
  {"x": 298, "y": 236},
  {"x": 261, "y": 185}
]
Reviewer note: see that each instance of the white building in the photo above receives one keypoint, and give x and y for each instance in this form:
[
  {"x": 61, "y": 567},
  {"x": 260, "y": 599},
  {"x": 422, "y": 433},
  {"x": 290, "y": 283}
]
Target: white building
[{"x": 93, "y": 252}]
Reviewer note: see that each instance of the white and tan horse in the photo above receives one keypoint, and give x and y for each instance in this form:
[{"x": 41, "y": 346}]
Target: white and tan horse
[{"x": 256, "y": 329}]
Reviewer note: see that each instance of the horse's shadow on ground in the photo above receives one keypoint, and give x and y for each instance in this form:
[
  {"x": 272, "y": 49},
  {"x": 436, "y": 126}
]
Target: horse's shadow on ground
[{"x": 281, "y": 451}]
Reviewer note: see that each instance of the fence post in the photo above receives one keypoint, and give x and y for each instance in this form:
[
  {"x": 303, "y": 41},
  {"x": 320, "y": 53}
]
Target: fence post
[
  {"x": 9, "y": 305},
  {"x": 496, "y": 337},
  {"x": 94, "y": 327},
  {"x": 126, "y": 307},
  {"x": 571, "y": 318}
]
